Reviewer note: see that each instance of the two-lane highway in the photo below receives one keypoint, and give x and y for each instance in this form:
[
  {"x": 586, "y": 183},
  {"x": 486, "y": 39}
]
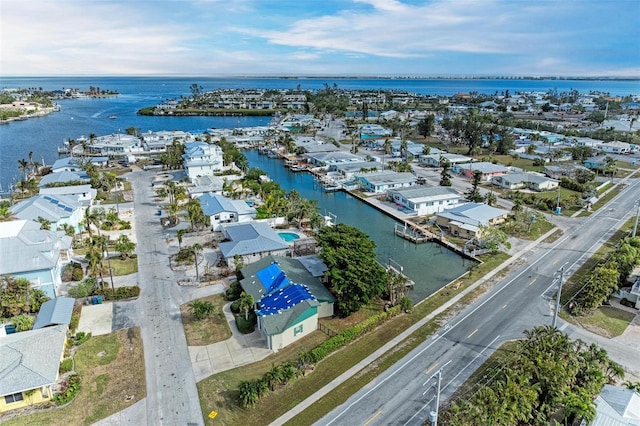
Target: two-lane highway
[{"x": 523, "y": 299}]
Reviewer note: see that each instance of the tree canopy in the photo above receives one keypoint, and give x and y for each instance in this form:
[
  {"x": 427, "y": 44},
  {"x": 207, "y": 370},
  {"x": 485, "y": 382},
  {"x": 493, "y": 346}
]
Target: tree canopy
[
  {"x": 18, "y": 297},
  {"x": 355, "y": 277}
]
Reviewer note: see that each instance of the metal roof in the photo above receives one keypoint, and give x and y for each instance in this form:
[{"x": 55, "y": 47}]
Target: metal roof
[
  {"x": 249, "y": 238},
  {"x": 54, "y": 312},
  {"x": 213, "y": 204}
]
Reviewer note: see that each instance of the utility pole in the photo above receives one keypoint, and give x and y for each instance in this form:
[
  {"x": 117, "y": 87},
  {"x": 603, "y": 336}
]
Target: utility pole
[
  {"x": 635, "y": 224},
  {"x": 433, "y": 415},
  {"x": 560, "y": 278}
]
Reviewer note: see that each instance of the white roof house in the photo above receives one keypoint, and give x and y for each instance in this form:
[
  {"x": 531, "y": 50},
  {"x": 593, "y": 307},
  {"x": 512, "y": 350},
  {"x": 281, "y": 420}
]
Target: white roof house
[
  {"x": 222, "y": 210},
  {"x": 529, "y": 180},
  {"x": 201, "y": 159},
  {"x": 158, "y": 141},
  {"x": 435, "y": 160},
  {"x": 85, "y": 194},
  {"x": 616, "y": 406},
  {"x": 57, "y": 209},
  {"x": 466, "y": 219},
  {"x": 205, "y": 185},
  {"x": 34, "y": 254},
  {"x": 423, "y": 200},
  {"x": 615, "y": 147},
  {"x": 378, "y": 182},
  {"x": 63, "y": 178},
  {"x": 115, "y": 144}
]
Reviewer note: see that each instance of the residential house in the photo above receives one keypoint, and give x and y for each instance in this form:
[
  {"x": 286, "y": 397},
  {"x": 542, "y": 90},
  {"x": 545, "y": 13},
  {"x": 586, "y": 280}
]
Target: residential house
[
  {"x": 64, "y": 178},
  {"x": 30, "y": 363},
  {"x": 435, "y": 160},
  {"x": 115, "y": 145},
  {"x": 57, "y": 209},
  {"x": 222, "y": 210},
  {"x": 527, "y": 180},
  {"x": 158, "y": 141},
  {"x": 615, "y": 147},
  {"x": 73, "y": 164},
  {"x": 289, "y": 297},
  {"x": 34, "y": 254},
  {"x": 563, "y": 170},
  {"x": 54, "y": 312},
  {"x": 205, "y": 185},
  {"x": 598, "y": 163},
  {"x": 423, "y": 200},
  {"x": 379, "y": 182},
  {"x": 328, "y": 159},
  {"x": 349, "y": 169},
  {"x": 467, "y": 220},
  {"x": 616, "y": 406},
  {"x": 250, "y": 242},
  {"x": 201, "y": 159},
  {"x": 373, "y": 131},
  {"x": 85, "y": 194},
  {"x": 487, "y": 169}
]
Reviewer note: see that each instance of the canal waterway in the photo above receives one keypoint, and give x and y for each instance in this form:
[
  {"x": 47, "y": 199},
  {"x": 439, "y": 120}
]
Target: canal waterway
[{"x": 430, "y": 265}]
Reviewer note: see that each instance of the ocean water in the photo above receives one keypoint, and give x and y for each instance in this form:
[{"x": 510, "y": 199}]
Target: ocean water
[{"x": 80, "y": 117}]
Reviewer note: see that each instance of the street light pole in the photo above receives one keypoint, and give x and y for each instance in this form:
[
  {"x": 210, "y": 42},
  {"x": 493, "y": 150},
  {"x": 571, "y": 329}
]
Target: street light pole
[
  {"x": 555, "y": 314},
  {"x": 635, "y": 224},
  {"x": 433, "y": 415}
]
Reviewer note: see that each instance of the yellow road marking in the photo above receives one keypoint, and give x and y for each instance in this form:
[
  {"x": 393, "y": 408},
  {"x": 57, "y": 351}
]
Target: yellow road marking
[
  {"x": 472, "y": 333},
  {"x": 373, "y": 417},
  {"x": 431, "y": 368}
]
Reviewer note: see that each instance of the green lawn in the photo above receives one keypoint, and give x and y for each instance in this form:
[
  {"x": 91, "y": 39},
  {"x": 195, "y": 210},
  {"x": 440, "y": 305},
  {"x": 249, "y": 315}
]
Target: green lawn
[
  {"x": 606, "y": 321},
  {"x": 124, "y": 267}
]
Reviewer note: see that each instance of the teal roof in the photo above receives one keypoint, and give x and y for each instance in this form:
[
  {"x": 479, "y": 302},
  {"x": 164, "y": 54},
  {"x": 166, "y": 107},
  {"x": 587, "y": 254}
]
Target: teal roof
[{"x": 276, "y": 324}]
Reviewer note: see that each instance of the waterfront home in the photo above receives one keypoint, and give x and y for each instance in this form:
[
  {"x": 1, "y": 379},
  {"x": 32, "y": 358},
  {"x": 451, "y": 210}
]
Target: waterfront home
[
  {"x": 35, "y": 254},
  {"x": 73, "y": 164},
  {"x": 328, "y": 159},
  {"x": 313, "y": 146},
  {"x": 563, "y": 170},
  {"x": 250, "y": 242},
  {"x": 207, "y": 184},
  {"x": 467, "y": 220},
  {"x": 84, "y": 193},
  {"x": 487, "y": 169},
  {"x": 64, "y": 178},
  {"x": 30, "y": 363},
  {"x": 435, "y": 159},
  {"x": 425, "y": 200},
  {"x": 115, "y": 144},
  {"x": 289, "y": 297},
  {"x": 379, "y": 182},
  {"x": 159, "y": 141},
  {"x": 349, "y": 169},
  {"x": 201, "y": 159},
  {"x": 57, "y": 209},
  {"x": 527, "y": 180},
  {"x": 222, "y": 210}
]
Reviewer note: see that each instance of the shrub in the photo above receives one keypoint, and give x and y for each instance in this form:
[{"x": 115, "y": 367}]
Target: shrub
[
  {"x": 233, "y": 292},
  {"x": 23, "y": 322},
  {"x": 77, "y": 274},
  {"x": 201, "y": 309},
  {"x": 406, "y": 304},
  {"x": 120, "y": 293},
  {"x": 83, "y": 289},
  {"x": 66, "y": 365},
  {"x": 81, "y": 337},
  {"x": 235, "y": 307},
  {"x": 246, "y": 326},
  {"x": 69, "y": 390}
]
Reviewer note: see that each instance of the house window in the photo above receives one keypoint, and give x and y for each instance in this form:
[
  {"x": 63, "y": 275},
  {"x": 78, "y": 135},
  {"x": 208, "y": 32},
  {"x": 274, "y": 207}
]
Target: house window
[
  {"x": 297, "y": 330},
  {"x": 16, "y": 397}
]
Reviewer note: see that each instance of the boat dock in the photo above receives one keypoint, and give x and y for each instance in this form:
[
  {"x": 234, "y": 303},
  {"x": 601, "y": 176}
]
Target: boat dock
[{"x": 418, "y": 234}]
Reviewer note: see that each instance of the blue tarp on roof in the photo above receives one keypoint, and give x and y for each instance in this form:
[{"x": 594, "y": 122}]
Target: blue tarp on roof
[
  {"x": 273, "y": 278},
  {"x": 284, "y": 299}
]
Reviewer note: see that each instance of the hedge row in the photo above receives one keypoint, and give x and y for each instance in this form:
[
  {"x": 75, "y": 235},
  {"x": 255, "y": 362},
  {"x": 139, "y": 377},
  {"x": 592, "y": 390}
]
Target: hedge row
[{"x": 126, "y": 292}]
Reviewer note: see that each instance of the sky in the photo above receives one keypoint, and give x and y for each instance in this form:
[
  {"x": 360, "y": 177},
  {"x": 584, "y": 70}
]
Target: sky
[{"x": 320, "y": 37}]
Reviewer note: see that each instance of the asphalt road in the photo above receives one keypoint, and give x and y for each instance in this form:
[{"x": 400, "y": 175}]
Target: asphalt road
[
  {"x": 404, "y": 395},
  {"x": 172, "y": 396}
]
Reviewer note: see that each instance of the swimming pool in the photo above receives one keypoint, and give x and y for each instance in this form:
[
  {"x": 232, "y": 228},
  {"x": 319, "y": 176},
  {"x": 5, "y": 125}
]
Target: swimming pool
[{"x": 288, "y": 236}]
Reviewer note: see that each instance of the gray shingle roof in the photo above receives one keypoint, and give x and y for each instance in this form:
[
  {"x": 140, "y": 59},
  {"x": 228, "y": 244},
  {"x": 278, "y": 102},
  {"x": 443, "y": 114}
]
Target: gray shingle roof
[
  {"x": 51, "y": 207},
  {"x": 54, "y": 312},
  {"x": 214, "y": 204},
  {"x": 30, "y": 359},
  {"x": 249, "y": 238}
]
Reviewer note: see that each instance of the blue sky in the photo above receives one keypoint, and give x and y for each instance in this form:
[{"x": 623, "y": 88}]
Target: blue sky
[{"x": 320, "y": 37}]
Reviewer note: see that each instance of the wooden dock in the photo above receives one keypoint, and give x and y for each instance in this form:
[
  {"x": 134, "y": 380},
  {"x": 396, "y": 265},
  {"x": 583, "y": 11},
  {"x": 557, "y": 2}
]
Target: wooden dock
[{"x": 417, "y": 235}]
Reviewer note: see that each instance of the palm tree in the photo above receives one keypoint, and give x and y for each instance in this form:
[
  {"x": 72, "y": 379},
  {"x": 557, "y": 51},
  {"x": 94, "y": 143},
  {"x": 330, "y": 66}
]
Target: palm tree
[
  {"x": 245, "y": 303},
  {"x": 5, "y": 213},
  {"x": 197, "y": 249},
  {"x": 44, "y": 223},
  {"x": 201, "y": 309},
  {"x": 248, "y": 393},
  {"x": 23, "y": 165}
]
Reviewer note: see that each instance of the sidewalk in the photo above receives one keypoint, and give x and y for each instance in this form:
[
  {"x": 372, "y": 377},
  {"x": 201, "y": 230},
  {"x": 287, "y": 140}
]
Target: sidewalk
[
  {"x": 404, "y": 335},
  {"x": 239, "y": 349}
]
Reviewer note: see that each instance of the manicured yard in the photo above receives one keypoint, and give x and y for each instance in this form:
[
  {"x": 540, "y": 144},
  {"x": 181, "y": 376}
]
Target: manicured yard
[
  {"x": 124, "y": 267},
  {"x": 111, "y": 368},
  {"x": 210, "y": 330}
]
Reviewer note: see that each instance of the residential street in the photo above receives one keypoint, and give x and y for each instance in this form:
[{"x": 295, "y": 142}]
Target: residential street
[{"x": 172, "y": 396}]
